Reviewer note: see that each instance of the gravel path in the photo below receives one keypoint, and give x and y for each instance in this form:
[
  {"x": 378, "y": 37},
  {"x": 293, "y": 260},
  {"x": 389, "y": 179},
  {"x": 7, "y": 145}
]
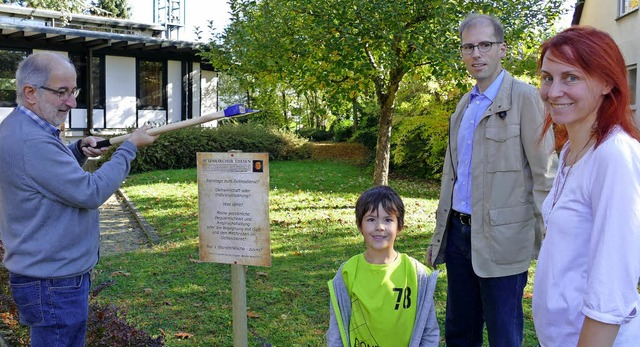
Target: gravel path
[{"x": 120, "y": 232}]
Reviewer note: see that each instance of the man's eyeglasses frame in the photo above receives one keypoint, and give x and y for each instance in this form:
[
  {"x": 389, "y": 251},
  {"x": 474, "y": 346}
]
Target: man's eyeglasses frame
[
  {"x": 63, "y": 93},
  {"x": 483, "y": 47}
]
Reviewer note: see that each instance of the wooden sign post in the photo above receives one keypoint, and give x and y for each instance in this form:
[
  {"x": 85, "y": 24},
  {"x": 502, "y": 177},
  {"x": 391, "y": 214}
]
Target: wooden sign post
[{"x": 233, "y": 220}]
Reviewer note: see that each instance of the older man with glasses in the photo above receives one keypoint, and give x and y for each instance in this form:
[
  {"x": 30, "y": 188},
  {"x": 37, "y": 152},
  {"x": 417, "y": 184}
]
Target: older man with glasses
[
  {"x": 49, "y": 204},
  {"x": 495, "y": 177}
]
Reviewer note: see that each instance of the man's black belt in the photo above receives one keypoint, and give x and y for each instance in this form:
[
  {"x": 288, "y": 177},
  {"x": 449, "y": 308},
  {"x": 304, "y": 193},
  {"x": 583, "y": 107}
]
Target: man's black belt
[{"x": 464, "y": 218}]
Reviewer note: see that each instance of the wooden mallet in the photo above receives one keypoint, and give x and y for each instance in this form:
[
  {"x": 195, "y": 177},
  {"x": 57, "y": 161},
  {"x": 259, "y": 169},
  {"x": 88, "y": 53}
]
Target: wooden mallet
[{"x": 231, "y": 111}]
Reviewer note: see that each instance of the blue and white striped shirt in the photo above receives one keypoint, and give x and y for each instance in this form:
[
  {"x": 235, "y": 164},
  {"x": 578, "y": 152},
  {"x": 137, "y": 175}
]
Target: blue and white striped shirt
[{"x": 48, "y": 127}]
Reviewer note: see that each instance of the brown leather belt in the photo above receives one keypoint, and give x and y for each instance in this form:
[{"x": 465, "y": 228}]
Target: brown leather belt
[{"x": 464, "y": 218}]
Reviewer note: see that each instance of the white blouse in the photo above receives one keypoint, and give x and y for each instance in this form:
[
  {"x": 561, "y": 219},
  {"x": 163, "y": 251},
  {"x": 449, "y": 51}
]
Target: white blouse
[{"x": 589, "y": 263}]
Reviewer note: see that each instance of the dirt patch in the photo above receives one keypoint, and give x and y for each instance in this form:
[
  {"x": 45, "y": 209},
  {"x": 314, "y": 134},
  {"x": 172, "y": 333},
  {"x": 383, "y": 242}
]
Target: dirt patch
[{"x": 347, "y": 151}]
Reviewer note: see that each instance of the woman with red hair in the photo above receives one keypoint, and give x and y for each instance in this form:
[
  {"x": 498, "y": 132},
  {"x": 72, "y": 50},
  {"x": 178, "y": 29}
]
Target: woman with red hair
[{"x": 586, "y": 281}]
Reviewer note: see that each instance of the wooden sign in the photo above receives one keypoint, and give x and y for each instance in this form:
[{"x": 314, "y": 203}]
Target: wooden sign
[{"x": 233, "y": 201}]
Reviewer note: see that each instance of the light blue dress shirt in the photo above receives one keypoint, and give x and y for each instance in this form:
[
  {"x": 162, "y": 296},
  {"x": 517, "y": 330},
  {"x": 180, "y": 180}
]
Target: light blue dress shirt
[{"x": 478, "y": 104}]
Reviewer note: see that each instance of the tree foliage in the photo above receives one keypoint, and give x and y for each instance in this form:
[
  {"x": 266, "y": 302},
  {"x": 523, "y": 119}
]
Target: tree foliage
[
  {"x": 105, "y": 8},
  {"x": 111, "y": 8},
  {"x": 64, "y": 6},
  {"x": 350, "y": 50}
]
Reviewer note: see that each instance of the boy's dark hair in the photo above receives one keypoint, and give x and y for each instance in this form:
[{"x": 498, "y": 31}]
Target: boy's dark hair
[{"x": 373, "y": 197}]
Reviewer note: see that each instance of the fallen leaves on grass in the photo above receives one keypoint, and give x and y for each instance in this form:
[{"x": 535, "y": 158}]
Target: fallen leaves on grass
[
  {"x": 120, "y": 273},
  {"x": 183, "y": 336},
  {"x": 338, "y": 150},
  {"x": 8, "y": 319},
  {"x": 252, "y": 314}
]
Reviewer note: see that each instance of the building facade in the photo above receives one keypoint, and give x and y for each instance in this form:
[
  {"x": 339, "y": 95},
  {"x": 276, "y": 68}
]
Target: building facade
[
  {"x": 621, "y": 19},
  {"x": 128, "y": 72}
]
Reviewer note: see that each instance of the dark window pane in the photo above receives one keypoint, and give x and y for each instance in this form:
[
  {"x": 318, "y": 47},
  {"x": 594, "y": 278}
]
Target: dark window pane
[
  {"x": 80, "y": 62},
  {"x": 98, "y": 86},
  {"x": 151, "y": 84},
  {"x": 9, "y": 61}
]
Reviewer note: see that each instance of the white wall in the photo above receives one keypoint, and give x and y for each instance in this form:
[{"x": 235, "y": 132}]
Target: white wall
[
  {"x": 208, "y": 91},
  {"x": 152, "y": 117},
  {"x": 4, "y": 112},
  {"x": 603, "y": 14},
  {"x": 197, "y": 109},
  {"x": 78, "y": 118},
  {"x": 174, "y": 90},
  {"x": 120, "y": 87},
  {"x": 208, "y": 94}
]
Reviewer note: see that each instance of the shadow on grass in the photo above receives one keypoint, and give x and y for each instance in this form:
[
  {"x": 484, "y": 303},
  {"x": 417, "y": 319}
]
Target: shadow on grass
[
  {"x": 166, "y": 290},
  {"x": 312, "y": 229}
]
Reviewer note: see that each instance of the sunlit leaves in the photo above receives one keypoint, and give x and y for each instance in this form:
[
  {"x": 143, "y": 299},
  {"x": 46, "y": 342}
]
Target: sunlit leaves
[{"x": 361, "y": 48}]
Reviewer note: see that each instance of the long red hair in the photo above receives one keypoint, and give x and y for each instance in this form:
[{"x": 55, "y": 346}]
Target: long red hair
[{"x": 597, "y": 54}]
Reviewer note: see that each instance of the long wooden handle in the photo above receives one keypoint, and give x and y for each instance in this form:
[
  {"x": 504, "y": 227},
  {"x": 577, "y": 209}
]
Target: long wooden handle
[{"x": 232, "y": 111}]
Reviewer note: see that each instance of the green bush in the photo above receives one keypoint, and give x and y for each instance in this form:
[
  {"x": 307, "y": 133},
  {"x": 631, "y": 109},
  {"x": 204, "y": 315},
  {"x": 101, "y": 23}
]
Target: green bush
[
  {"x": 419, "y": 145},
  {"x": 315, "y": 134},
  {"x": 342, "y": 130},
  {"x": 367, "y": 132},
  {"x": 177, "y": 149}
]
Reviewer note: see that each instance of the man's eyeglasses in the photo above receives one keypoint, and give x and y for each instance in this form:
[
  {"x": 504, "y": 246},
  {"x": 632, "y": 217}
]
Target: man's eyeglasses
[
  {"x": 484, "y": 47},
  {"x": 63, "y": 93}
]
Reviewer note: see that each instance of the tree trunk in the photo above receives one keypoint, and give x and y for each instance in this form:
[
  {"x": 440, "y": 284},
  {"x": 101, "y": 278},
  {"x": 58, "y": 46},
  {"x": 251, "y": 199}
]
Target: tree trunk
[
  {"x": 284, "y": 110},
  {"x": 383, "y": 147},
  {"x": 354, "y": 103},
  {"x": 386, "y": 99}
]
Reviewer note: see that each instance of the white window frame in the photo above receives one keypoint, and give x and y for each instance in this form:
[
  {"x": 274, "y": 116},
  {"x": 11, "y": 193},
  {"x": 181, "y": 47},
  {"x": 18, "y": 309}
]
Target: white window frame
[
  {"x": 632, "y": 73},
  {"x": 627, "y": 6}
]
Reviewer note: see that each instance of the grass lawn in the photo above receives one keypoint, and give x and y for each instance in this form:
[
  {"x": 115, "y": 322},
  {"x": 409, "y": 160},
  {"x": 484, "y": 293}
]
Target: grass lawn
[{"x": 165, "y": 290}]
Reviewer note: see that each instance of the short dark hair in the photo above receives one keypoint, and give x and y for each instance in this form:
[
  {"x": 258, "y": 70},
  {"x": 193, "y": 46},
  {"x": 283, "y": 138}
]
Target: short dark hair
[
  {"x": 373, "y": 197},
  {"x": 474, "y": 19}
]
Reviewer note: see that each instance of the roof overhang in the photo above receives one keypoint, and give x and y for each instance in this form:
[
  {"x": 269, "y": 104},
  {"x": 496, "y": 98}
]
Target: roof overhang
[{"x": 65, "y": 39}]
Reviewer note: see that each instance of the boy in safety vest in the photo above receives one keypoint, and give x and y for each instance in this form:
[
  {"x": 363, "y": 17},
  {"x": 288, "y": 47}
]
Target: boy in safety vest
[{"x": 381, "y": 297}]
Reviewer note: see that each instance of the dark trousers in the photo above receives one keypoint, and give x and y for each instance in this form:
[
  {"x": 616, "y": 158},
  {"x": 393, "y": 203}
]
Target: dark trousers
[{"x": 473, "y": 301}]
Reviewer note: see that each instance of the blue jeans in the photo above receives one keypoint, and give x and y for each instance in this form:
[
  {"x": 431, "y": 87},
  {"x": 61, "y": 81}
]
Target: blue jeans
[
  {"x": 473, "y": 301},
  {"x": 55, "y": 310}
]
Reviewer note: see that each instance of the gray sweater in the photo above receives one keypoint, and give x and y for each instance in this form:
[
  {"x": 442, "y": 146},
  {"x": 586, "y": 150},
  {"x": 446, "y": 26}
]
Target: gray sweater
[{"x": 48, "y": 203}]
